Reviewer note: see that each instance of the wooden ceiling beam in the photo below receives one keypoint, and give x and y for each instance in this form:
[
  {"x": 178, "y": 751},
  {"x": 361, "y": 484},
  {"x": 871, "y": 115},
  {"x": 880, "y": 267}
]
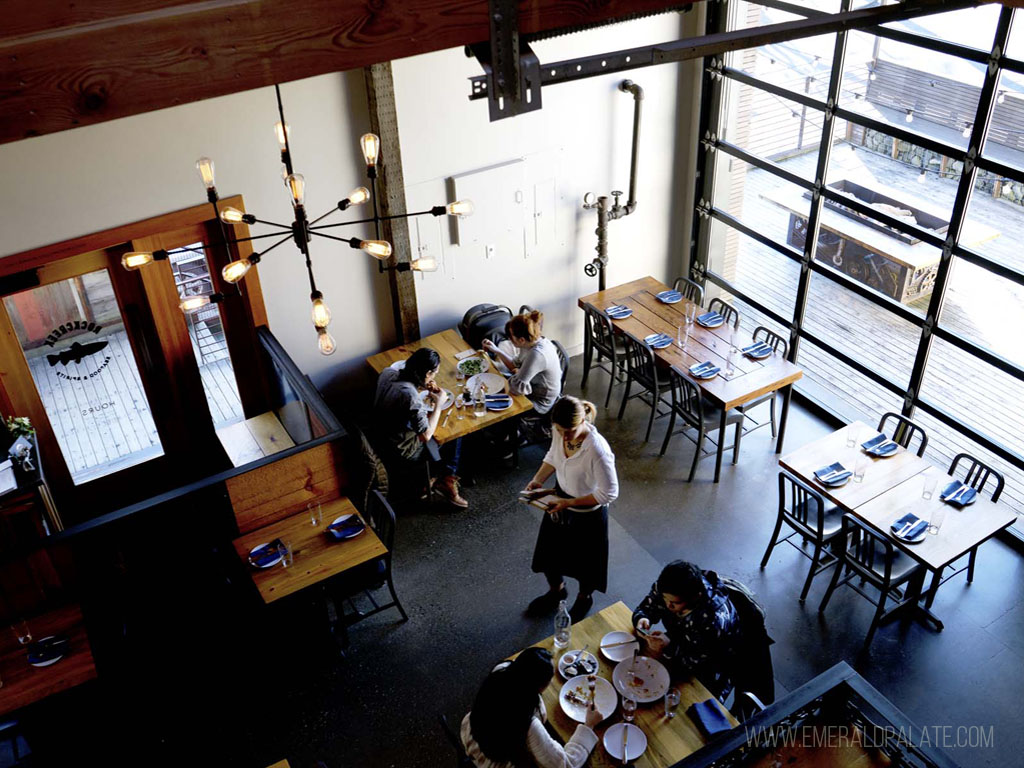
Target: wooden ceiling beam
[{"x": 64, "y": 66}]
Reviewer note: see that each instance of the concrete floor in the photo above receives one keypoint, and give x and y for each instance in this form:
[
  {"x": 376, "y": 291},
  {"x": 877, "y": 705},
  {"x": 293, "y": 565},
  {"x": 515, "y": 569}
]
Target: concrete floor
[{"x": 219, "y": 679}]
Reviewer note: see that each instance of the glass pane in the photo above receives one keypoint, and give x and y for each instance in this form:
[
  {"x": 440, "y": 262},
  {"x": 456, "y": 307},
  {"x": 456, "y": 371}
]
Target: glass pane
[
  {"x": 985, "y": 308},
  {"x": 841, "y": 389},
  {"x": 971, "y": 27},
  {"x": 868, "y": 333},
  {"x": 755, "y": 269},
  {"x": 1015, "y": 46},
  {"x": 995, "y": 220},
  {"x": 206, "y": 329},
  {"x": 1004, "y": 142},
  {"x": 914, "y": 88},
  {"x": 82, "y": 364}
]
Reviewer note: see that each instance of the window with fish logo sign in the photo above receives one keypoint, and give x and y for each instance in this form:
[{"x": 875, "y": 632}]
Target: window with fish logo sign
[{"x": 80, "y": 357}]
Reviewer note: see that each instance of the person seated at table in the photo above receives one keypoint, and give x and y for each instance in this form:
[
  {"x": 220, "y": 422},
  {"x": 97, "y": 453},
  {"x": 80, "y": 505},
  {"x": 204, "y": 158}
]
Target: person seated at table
[
  {"x": 405, "y": 421},
  {"x": 714, "y": 631},
  {"x": 536, "y": 369},
  {"x": 505, "y": 728},
  {"x": 573, "y": 537}
]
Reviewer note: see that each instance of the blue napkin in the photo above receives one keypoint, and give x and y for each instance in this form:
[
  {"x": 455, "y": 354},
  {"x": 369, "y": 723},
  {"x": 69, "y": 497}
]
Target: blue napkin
[
  {"x": 265, "y": 554},
  {"x": 670, "y": 297},
  {"x": 917, "y": 528},
  {"x": 48, "y": 649},
  {"x": 347, "y": 528},
  {"x": 704, "y": 370},
  {"x": 658, "y": 340},
  {"x": 710, "y": 318},
  {"x": 618, "y": 311},
  {"x": 963, "y": 499},
  {"x": 758, "y": 349},
  {"x": 497, "y": 397},
  {"x": 879, "y": 445},
  {"x": 709, "y": 717},
  {"x": 835, "y": 473}
]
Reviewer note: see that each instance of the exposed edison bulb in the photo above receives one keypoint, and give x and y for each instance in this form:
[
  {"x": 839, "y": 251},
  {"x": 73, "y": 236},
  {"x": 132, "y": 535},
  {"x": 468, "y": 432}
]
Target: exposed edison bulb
[
  {"x": 297, "y": 187},
  {"x": 910, "y": 116},
  {"x": 136, "y": 260},
  {"x": 379, "y": 249},
  {"x": 193, "y": 302},
  {"x": 872, "y": 76},
  {"x": 424, "y": 264},
  {"x": 205, "y": 167},
  {"x": 966, "y": 133},
  {"x": 325, "y": 342},
  {"x": 235, "y": 271},
  {"x": 460, "y": 208},
  {"x": 370, "y": 143},
  {"x": 922, "y": 178},
  {"x": 283, "y": 134},
  {"x": 231, "y": 215},
  {"x": 1001, "y": 97},
  {"x": 321, "y": 314},
  {"x": 358, "y": 196}
]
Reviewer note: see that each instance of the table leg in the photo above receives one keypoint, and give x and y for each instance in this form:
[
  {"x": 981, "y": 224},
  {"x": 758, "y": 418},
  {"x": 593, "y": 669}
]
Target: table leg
[
  {"x": 912, "y": 608},
  {"x": 787, "y": 395},
  {"x": 721, "y": 445}
]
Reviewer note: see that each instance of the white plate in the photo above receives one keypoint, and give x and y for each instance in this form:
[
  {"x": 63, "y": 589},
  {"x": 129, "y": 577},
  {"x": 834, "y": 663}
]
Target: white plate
[
  {"x": 48, "y": 662},
  {"x": 712, "y": 324},
  {"x": 588, "y": 658},
  {"x": 636, "y": 742},
  {"x": 650, "y": 683},
  {"x": 492, "y": 383},
  {"x": 620, "y": 652},
  {"x": 342, "y": 519},
  {"x": 604, "y": 697},
  {"x": 485, "y": 363},
  {"x": 446, "y": 402},
  {"x": 673, "y": 297},
  {"x": 499, "y": 406},
  {"x": 270, "y": 564}
]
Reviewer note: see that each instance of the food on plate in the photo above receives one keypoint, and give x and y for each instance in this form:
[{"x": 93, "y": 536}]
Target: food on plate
[
  {"x": 471, "y": 366},
  {"x": 578, "y": 695},
  {"x": 586, "y": 665}
]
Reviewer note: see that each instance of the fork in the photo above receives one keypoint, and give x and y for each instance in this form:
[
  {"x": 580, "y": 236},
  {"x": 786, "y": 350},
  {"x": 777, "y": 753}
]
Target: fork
[{"x": 579, "y": 653}]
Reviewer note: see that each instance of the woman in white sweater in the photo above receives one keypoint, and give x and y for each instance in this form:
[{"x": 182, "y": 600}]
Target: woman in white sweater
[
  {"x": 505, "y": 728},
  {"x": 573, "y": 538}
]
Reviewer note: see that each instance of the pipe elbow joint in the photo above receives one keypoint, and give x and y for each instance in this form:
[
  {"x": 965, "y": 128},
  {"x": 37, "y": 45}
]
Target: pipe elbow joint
[{"x": 628, "y": 86}]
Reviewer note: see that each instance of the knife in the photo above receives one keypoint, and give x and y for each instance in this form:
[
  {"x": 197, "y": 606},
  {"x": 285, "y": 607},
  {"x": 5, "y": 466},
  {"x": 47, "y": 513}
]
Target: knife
[
  {"x": 701, "y": 367},
  {"x": 828, "y": 476},
  {"x": 905, "y": 529},
  {"x": 625, "y": 742},
  {"x": 959, "y": 492}
]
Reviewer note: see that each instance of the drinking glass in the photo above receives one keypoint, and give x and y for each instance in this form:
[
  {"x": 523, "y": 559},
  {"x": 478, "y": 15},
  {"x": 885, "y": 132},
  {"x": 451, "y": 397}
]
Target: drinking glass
[
  {"x": 682, "y": 336},
  {"x": 852, "y": 436},
  {"x": 459, "y": 413},
  {"x": 734, "y": 335},
  {"x": 316, "y": 513},
  {"x": 937, "y": 516},
  {"x": 730, "y": 362},
  {"x": 691, "y": 313},
  {"x": 860, "y": 467},
  {"x": 287, "y": 555},
  {"x": 460, "y": 378},
  {"x": 671, "y": 702},
  {"x": 628, "y": 709},
  {"x": 928, "y": 487},
  {"x": 481, "y": 404},
  {"x": 21, "y": 632}
]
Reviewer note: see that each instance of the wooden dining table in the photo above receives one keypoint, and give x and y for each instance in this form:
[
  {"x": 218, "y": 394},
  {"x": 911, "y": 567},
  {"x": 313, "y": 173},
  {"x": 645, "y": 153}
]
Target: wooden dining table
[
  {"x": 669, "y": 740},
  {"x": 893, "y": 486},
  {"x": 750, "y": 378},
  {"x": 448, "y": 344}
]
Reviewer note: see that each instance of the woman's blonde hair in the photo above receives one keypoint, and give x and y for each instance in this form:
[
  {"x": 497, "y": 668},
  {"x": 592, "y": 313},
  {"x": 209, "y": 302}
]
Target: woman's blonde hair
[
  {"x": 526, "y": 326},
  {"x": 569, "y": 412}
]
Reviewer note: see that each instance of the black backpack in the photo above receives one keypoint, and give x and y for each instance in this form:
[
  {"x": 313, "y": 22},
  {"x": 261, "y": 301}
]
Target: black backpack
[{"x": 484, "y": 321}]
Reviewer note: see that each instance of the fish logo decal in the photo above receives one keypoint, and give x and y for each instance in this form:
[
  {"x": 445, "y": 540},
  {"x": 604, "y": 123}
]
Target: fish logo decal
[{"x": 76, "y": 352}]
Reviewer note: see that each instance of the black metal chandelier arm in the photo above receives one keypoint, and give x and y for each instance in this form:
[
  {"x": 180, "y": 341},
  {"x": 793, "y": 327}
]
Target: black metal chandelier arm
[
  {"x": 286, "y": 156},
  {"x": 282, "y": 241},
  {"x": 272, "y": 224},
  {"x": 260, "y": 237},
  {"x": 433, "y": 211},
  {"x": 341, "y": 224},
  {"x": 332, "y": 237}
]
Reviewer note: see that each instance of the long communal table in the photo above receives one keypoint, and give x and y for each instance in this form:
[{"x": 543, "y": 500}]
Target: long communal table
[{"x": 751, "y": 378}]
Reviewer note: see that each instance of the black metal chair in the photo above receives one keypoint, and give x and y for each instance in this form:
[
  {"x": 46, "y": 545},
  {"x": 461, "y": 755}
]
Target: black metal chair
[
  {"x": 599, "y": 337},
  {"x": 462, "y": 760},
  {"x": 776, "y": 342},
  {"x": 904, "y": 431},
  {"x": 690, "y": 290},
  {"x": 805, "y": 511},
  {"x": 868, "y": 556},
  {"x": 697, "y": 413},
  {"x": 725, "y": 309},
  {"x": 977, "y": 476},
  {"x": 642, "y": 368},
  {"x": 563, "y": 360}
]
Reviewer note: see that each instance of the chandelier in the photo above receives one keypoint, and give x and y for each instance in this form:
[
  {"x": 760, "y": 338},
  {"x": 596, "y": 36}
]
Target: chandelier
[{"x": 302, "y": 230}]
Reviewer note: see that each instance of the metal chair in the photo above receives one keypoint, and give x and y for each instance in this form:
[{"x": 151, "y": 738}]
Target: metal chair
[
  {"x": 642, "y": 368},
  {"x": 804, "y": 510},
  {"x": 776, "y": 342},
  {"x": 462, "y": 760},
  {"x": 696, "y": 413},
  {"x": 726, "y": 310},
  {"x": 904, "y": 431},
  {"x": 866, "y": 555},
  {"x": 690, "y": 290},
  {"x": 599, "y": 336},
  {"x": 976, "y": 476},
  {"x": 563, "y": 360}
]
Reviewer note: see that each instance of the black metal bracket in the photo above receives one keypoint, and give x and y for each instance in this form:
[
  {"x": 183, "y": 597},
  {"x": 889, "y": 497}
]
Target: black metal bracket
[{"x": 511, "y": 79}]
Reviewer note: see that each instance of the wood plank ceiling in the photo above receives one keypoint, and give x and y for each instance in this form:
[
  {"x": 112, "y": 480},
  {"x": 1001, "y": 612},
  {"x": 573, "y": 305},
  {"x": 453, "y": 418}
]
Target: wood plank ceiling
[{"x": 68, "y": 64}]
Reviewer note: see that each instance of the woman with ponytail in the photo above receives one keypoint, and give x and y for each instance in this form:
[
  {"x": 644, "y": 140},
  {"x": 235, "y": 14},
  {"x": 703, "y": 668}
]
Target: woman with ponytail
[
  {"x": 536, "y": 369},
  {"x": 573, "y": 538}
]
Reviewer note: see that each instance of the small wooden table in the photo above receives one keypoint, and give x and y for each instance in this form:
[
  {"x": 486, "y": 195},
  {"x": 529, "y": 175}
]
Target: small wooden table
[
  {"x": 751, "y": 378},
  {"x": 316, "y": 556},
  {"x": 668, "y": 741},
  {"x": 24, "y": 684},
  {"x": 447, "y": 344}
]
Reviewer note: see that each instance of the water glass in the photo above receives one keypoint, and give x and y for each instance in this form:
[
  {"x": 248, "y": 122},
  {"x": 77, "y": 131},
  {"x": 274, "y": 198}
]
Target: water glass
[
  {"x": 21, "y": 632},
  {"x": 734, "y": 335},
  {"x": 937, "y": 516},
  {"x": 481, "y": 405},
  {"x": 860, "y": 467},
  {"x": 460, "y": 378},
  {"x": 691, "y": 313},
  {"x": 682, "y": 336},
  {"x": 928, "y": 487},
  {"x": 628, "y": 709},
  {"x": 730, "y": 362},
  {"x": 852, "y": 435},
  {"x": 671, "y": 702},
  {"x": 459, "y": 412},
  {"x": 287, "y": 555},
  {"x": 316, "y": 513}
]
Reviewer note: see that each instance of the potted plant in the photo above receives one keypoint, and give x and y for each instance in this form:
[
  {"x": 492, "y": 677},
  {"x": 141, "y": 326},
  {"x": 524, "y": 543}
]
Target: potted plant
[{"x": 20, "y": 432}]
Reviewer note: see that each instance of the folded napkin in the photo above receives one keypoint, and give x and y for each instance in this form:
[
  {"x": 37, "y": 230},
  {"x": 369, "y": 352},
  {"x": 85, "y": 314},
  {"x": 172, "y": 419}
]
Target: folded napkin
[
  {"x": 833, "y": 473},
  {"x": 497, "y": 396},
  {"x": 658, "y": 340},
  {"x": 710, "y": 318},
  {"x": 704, "y": 370},
  {"x": 917, "y": 526},
  {"x": 757, "y": 349},
  {"x": 880, "y": 445},
  {"x": 619, "y": 310},
  {"x": 347, "y": 528},
  {"x": 48, "y": 649},
  {"x": 709, "y": 717},
  {"x": 265, "y": 554},
  {"x": 955, "y": 493},
  {"x": 669, "y": 295}
]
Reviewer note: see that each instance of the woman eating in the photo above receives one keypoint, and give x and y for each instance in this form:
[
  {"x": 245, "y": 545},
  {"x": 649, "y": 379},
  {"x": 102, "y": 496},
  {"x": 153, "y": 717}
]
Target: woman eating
[
  {"x": 505, "y": 728},
  {"x": 573, "y": 538},
  {"x": 536, "y": 369}
]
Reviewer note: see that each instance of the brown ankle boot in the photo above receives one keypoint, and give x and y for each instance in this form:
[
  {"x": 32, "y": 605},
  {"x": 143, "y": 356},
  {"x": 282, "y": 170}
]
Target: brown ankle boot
[{"x": 448, "y": 489}]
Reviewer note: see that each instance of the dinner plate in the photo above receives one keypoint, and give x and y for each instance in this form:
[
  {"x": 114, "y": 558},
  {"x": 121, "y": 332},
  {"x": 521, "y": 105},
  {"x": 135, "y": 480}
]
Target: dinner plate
[
  {"x": 636, "y": 741},
  {"x": 710, "y": 322},
  {"x": 705, "y": 373},
  {"x": 270, "y": 563},
  {"x": 758, "y": 351},
  {"x": 967, "y": 497},
  {"x": 348, "y": 533},
  {"x": 658, "y": 340},
  {"x": 498, "y": 405},
  {"x": 669, "y": 297},
  {"x": 446, "y": 402},
  {"x": 619, "y": 652},
  {"x": 872, "y": 446},
  {"x": 47, "y": 662},
  {"x": 916, "y": 540},
  {"x": 618, "y": 312},
  {"x": 587, "y": 660},
  {"x": 485, "y": 364},
  {"x": 842, "y": 479},
  {"x": 491, "y": 382},
  {"x": 605, "y": 698},
  {"x": 645, "y": 682}
]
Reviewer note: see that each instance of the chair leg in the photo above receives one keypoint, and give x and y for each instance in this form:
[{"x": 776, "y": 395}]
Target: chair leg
[
  {"x": 625, "y": 396},
  {"x": 696, "y": 456},
  {"x": 879, "y": 611},
  {"x": 970, "y": 565},
  {"x": 773, "y": 416},
  {"x": 668, "y": 432},
  {"x": 394, "y": 597},
  {"x": 774, "y": 540},
  {"x": 611, "y": 382},
  {"x": 810, "y": 574},
  {"x": 833, "y": 583},
  {"x": 934, "y": 588},
  {"x": 736, "y": 441},
  {"x": 655, "y": 399}
]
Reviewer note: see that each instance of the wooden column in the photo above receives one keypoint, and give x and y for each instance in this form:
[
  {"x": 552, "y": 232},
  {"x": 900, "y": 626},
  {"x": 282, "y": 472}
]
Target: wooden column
[{"x": 380, "y": 90}]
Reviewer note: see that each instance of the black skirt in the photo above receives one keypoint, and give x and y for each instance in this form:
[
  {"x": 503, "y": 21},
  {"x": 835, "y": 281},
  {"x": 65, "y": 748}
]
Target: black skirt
[{"x": 576, "y": 546}]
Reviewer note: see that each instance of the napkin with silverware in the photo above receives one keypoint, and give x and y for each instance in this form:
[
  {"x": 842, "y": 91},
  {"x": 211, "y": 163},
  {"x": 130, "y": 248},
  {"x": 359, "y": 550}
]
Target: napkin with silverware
[
  {"x": 757, "y": 349},
  {"x": 958, "y": 493},
  {"x": 265, "y": 554},
  {"x": 910, "y": 526},
  {"x": 618, "y": 311},
  {"x": 832, "y": 473},
  {"x": 709, "y": 717},
  {"x": 658, "y": 340},
  {"x": 48, "y": 649},
  {"x": 704, "y": 370},
  {"x": 710, "y": 318},
  {"x": 879, "y": 445}
]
